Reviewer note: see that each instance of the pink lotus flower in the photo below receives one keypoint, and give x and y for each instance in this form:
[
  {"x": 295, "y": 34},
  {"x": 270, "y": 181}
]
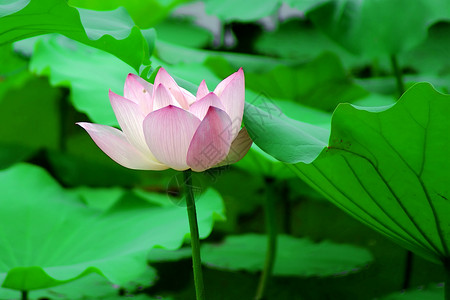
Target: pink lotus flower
[{"x": 165, "y": 126}]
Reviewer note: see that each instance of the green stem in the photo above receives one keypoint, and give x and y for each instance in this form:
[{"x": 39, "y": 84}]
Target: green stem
[
  {"x": 375, "y": 68},
  {"x": 269, "y": 212},
  {"x": 401, "y": 89},
  {"x": 398, "y": 75},
  {"x": 408, "y": 269},
  {"x": 195, "y": 240},
  {"x": 24, "y": 295},
  {"x": 287, "y": 205},
  {"x": 63, "y": 116}
]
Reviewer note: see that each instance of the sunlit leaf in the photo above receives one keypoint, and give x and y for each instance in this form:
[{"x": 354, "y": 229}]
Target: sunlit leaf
[
  {"x": 88, "y": 72},
  {"x": 92, "y": 286},
  {"x": 145, "y": 13},
  {"x": 257, "y": 160},
  {"x": 11, "y": 7},
  {"x": 285, "y": 139},
  {"x": 386, "y": 166},
  {"x": 50, "y": 237},
  {"x": 162, "y": 255},
  {"x": 100, "y": 198},
  {"x": 111, "y": 31}
]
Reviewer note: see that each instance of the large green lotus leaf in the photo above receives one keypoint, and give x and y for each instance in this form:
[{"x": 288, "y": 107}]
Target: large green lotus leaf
[
  {"x": 193, "y": 73},
  {"x": 287, "y": 140},
  {"x": 162, "y": 255},
  {"x": 431, "y": 56},
  {"x": 92, "y": 286},
  {"x": 252, "y": 10},
  {"x": 375, "y": 100},
  {"x": 10, "y": 7},
  {"x": 49, "y": 237},
  {"x": 145, "y": 13},
  {"x": 291, "y": 109},
  {"x": 294, "y": 256},
  {"x": 171, "y": 53},
  {"x": 386, "y": 166},
  {"x": 100, "y": 198},
  {"x": 184, "y": 32},
  {"x": 248, "y": 10},
  {"x": 300, "y": 40},
  {"x": 112, "y": 31},
  {"x": 374, "y": 27},
  {"x": 88, "y": 72},
  {"x": 302, "y": 5},
  {"x": 260, "y": 163}
]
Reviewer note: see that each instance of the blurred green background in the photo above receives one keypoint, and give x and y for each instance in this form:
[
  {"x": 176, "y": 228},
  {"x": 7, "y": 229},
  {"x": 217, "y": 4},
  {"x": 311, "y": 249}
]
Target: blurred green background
[{"x": 305, "y": 57}]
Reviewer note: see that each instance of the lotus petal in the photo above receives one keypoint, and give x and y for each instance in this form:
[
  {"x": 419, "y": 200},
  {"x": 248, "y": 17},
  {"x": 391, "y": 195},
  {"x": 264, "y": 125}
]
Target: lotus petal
[
  {"x": 163, "y": 98},
  {"x": 188, "y": 96},
  {"x": 139, "y": 91},
  {"x": 168, "y": 133},
  {"x": 232, "y": 97},
  {"x": 200, "y": 107},
  {"x": 239, "y": 148},
  {"x": 165, "y": 79},
  {"x": 202, "y": 90},
  {"x": 130, "y": 119},
  {"x": 211, "y": 142},
  {"x": 115, "y": 144},
  {"x": 221, "y": 86}
]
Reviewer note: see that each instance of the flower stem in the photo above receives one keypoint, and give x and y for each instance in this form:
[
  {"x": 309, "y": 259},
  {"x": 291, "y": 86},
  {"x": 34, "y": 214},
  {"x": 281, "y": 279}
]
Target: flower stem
[
  {"x": 24, "y": 295},
  {"x": 408, "y": 269},
  {"x": 400, "y": 90},
  {"x": 269, "y": 211},
  {"x": 398, "y": 75},
  {"x": 287, "y": 207},
  {"x": 195, "y": 240}
]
